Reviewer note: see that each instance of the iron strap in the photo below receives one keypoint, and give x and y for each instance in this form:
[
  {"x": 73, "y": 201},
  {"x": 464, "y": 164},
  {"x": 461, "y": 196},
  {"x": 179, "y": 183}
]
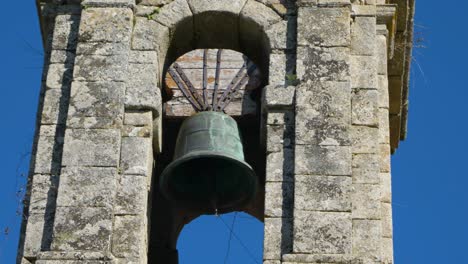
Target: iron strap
[
  {"x": 182, "y": 88},
  {"x": 189, "y": 85},
  {"x": 218, "y": 69}
]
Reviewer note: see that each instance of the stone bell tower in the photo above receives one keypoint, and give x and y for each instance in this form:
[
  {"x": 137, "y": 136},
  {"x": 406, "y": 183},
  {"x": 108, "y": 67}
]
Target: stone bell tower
[{"x": 319, "y": 113}]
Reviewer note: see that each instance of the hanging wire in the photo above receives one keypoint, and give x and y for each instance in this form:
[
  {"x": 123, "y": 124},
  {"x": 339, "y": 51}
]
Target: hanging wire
[
  {"x": 239, "y": 240},
  {"x": 230, "y": 238}
]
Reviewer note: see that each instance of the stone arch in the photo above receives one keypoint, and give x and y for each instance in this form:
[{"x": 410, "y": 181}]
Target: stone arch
[{"x": 249, "y": 27}]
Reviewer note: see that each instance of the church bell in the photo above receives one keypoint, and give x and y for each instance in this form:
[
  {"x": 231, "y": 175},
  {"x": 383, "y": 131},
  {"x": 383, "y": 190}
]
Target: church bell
[{"x": 209, "y": 172}]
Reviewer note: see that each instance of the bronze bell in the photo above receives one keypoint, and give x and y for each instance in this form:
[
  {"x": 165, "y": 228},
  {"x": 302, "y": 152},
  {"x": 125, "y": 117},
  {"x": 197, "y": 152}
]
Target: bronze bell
[{"x": 209, "y": 172}]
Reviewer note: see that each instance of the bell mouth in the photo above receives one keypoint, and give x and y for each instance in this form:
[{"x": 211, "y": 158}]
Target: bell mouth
[{"x": 209, "y": 181}]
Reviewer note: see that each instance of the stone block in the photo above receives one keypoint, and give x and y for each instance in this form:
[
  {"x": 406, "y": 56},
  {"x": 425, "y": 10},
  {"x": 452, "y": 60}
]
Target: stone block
[
  {"x": 385, "y": 158},
  {"x": 174, "y": 12},
  {"x": 87, "y": 187},
  {"x": 366, "y": 168},
  {"x": 109, "y": 3},
  {"x": 365, "y": 109},
  {"x": 149, "y": 35},
  {"x": 381, "y": 51},
  {"x": 129, "y": 236},
  {"x": 279, "y": 96},
  {"x": 387, "y": 223},
  {"x": 326, "y": 160},
  {"x": 323, "y": 114},
  {"x": 103, "y": 100},
  {"x": 363, "y": 36},
  {"x": 322, "y": 232},
  {"x": 322, "y": 193},
  {"x": 101, "y": 68},
  {"x": 54, "y": 105},
  {"x": 35, "y": 232},
  {"x": 43, "y": 192},
  {"x": 102, "y": 48},
  {"x": 106, "y": 24},
  {"x": 143, "y": 57},
  {"x": 142, "y": 87},
  {"x": 386, "y": 182},
  {"x": 65, "y": 35},
  {"x": 325, "y": 27},
  {"x": 224, "y": 6},
  {"x": 279, "y": 198},
  {"x": 280, "y": 118},
  {"x": 323, "y": 64},
  {"x": 365, "y": 199},
  {"x": 278, "y": 69},
  {"x": 365, "y": 140},
  {"x": 280, "y": 35},
  {"x": 137, "y": 131},
  {"x": 82, "y": 228},
  {"x": 384, "y": 99},
  {"x": 91, "y": 147},
  {"x": 384, "y": 126},
  {"x": 46, "y": 159},
  {"x": 136, "y": 156},
  {"x": 276, "y": 139},
  {"x": 278, "y": 237},
  {"x": 363, "y": 72},
  {"x": 280, "y": 166},
  {"x": 58, "y": 76},
  {"x": 367, "y": 238},
  {"x": 142, "y": 118},
  {"x": 132, "y": 195},
  {"x": 387, "y": 251},
  {"x": 62, "y": 57}
]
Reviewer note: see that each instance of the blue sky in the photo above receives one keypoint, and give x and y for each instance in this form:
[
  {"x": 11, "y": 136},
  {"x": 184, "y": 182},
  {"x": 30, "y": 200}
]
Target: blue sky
[{"x": 430, "y": 174}]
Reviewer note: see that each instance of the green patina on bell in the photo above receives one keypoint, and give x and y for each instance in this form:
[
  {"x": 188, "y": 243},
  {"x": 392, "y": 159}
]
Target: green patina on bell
[{"x": 209, "y": 172}]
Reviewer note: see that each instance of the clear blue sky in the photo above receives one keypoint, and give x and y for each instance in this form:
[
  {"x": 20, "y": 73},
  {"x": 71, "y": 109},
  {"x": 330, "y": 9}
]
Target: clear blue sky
[{"x": 430, "y": 178}]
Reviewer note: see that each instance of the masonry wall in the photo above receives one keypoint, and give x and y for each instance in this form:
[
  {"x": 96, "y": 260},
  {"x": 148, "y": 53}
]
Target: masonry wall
[{"x": 325, "y": 119}]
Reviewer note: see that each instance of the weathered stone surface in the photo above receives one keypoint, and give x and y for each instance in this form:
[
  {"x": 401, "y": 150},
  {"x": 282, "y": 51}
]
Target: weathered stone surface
[
  {"x": 278, "y": 237},
  {"x": 65, "y": 33},
  {"x": 323, "y": 114},
  {"x": 132, "y": 195},
  {"x": 364, "y": 139},
  {"x": 129, "y": 236},
  {"x": 143, "y": 57},
  {"x": 142, "y": 118},
  {"x": 58, "y": 76},
  {"x": 278, "y": 96},
  {"x": 366, "y": 201},
  {"x": 326, "y": 160},
  {"x": 154, "y": 2},
  {"x": 87, "y": 187},
  {"x": 106, "y": 24},
  {"x": 322, "y": 193},
  {"x": 97, "y": 99},
  {"x": 278, "y": 138},
  {"x": 279, "y": 70},
  {"x": 227, "y": 6},
  {"x": 149, "y": 35},
  {"x": 381, "y": 51},
  {"x": 280, "y": 166},
  {"x": 366, "y": 168},
  {"x": 363, "y": 38},
  {"x": 363, "y": 72},
  {"x": 384, "y": 99},
  {"x": 142, "y": 87},
  {"x": 101, "y": 68},
  {"x": 280, "y": 35},
  {"x": 280, "y": 118},
  {"x": 109, "y": 3},
  {"x": 137, "y": 131},
  {"x": 365, "y": 107},
  {"x": 45, "y": 160},
  {"x": 323, "y": 64},
  {"x": 279, "y": 199},
  {"x": 173, "y": 13},
  {"x": 367, "y": 237},
  {"x": 91, "y": 147},
  {"x": 387, "y": 251},
  {"x": 386, "y": 182},
  {"x": 55, "y": 101},
  {"x": 385, "y": 157},
  {"x": 136, "y": 156},
  {"x": 62, "y": 57},
  {"x": 384, "y": 126},
  {"x": 387, "y": 223},
  {"x": 326, "y": 27},
  {"x": 82, "y": 228},
  {"x": 43, "y": 192},
  {"x": 102, "y": 48},
  {"x": 322, "y": 232},
  {"x": 35, "y": 232}
]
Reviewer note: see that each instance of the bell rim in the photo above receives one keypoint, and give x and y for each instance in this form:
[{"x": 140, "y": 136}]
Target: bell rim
[{"x": 164, "y": 181}]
